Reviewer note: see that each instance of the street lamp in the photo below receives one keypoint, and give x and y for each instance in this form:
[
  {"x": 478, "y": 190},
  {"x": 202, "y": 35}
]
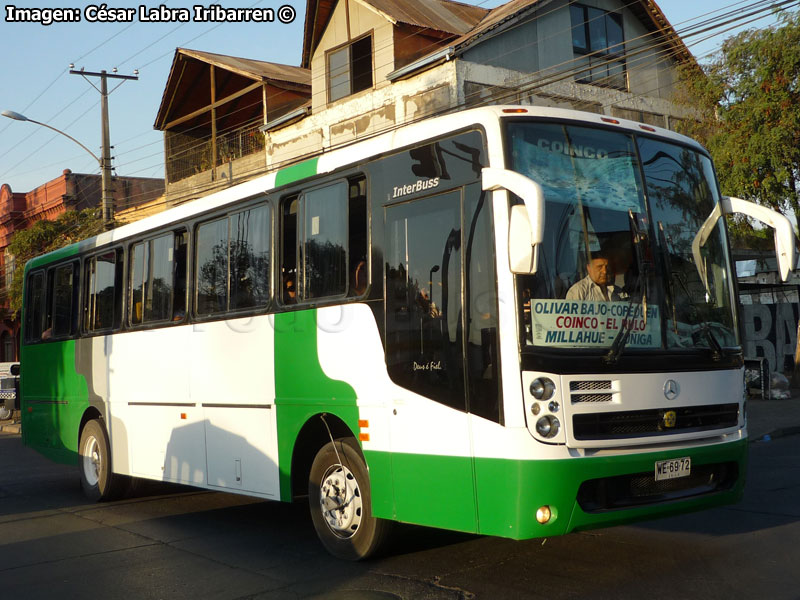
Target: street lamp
[{"x": 105, "y": 166}]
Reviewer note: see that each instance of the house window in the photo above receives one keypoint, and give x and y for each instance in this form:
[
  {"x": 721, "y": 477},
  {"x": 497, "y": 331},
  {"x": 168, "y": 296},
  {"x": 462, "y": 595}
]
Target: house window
[
  {"x": 599, "y": 46},
  {"x": 350, "y": 69}
]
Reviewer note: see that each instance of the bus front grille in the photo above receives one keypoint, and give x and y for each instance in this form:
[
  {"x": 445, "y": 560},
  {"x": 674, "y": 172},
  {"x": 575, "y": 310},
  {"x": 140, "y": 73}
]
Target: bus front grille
[
  {"x": 654, "y": 422},
  {"x": 638, "y": 489},
  {"x": 591, "y": 391}
]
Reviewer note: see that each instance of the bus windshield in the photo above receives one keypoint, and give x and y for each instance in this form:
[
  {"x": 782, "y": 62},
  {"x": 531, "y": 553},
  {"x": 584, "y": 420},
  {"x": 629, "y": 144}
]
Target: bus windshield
[{"x": 616, "y": 268}]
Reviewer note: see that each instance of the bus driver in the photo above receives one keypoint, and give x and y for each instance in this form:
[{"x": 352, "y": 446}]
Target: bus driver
[{"x": 598, "y": 283}]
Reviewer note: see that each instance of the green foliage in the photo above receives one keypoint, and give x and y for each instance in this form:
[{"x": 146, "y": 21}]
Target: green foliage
[
  {"x": 747, "y": 99},
  {"x": 45, "y": 236}
]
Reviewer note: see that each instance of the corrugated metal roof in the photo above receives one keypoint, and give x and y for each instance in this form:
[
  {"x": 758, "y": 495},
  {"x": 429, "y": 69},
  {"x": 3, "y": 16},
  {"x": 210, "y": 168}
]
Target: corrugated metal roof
[
  {"x": 254, "y": 69},
  {"x": 441, "y": 15}
]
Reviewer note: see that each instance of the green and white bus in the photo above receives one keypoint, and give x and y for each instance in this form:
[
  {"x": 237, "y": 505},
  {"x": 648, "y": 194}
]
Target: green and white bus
[{"x": 390, "y": 330}]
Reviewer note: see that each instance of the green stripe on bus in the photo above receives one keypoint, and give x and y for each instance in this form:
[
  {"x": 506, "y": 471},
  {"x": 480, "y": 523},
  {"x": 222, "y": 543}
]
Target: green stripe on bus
[
  {"x": 296, "y": 172},
  {"x": 509, "y": 492},
  {"x": 302, "y": 389},
  {"x": 55, "y": 255},
  {"x": 52, "y": 406}
]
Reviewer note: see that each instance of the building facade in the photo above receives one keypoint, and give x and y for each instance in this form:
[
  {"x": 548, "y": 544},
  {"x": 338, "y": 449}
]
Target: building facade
[
  {"x": 69, "y": 191},
  {"x": 372, "y": 65}
]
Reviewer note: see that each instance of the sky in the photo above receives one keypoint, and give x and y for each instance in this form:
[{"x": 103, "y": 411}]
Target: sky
[{"x": 36, "y": 82}]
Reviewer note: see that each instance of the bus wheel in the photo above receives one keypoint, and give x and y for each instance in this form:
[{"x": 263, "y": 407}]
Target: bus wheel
[
  {"x": 340, "y": 502},
  {"x": 97, "y": 480}
]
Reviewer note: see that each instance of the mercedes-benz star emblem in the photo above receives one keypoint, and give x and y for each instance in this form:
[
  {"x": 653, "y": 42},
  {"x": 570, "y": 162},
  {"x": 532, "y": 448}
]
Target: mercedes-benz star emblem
[{"x": 671, "y": 389}]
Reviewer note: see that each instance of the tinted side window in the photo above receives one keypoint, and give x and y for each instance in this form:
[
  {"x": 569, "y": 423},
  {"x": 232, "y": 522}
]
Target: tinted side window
[
  {"x": 153, "y": 279},
  {"x": 250, "y": 258},
  {"x": 102, "y": 292},
  {"x": 233, "y": 262},
  {"x": 212, "y": 267},
  {"x": 324, "y": 242},
  {"x": 483, "y": 368},
  {"x": 34, "y": 307},
  {"x": 423, "y": 297},
  {"x": 158, "y": 297},
  {"x": 63, "y": 300},
  {"x": 324, "y": 246}
]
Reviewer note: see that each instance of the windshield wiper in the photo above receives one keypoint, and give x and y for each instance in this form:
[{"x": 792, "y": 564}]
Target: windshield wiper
[
  {"x": 621, "y": 339},
  {"x": 713, "y": 343}
]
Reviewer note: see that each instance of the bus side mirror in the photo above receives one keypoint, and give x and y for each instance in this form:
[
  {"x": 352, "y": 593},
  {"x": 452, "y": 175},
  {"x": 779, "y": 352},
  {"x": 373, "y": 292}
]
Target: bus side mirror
[
  {"x": 526, "y": 222},
  {"x": 783, "y": 233}
]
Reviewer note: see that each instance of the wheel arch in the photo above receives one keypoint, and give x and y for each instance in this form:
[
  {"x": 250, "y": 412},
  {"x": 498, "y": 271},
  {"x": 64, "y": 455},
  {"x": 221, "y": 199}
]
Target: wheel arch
[
  {"x": 313, "y": 435},
  {"x": 90, "y": 414}
]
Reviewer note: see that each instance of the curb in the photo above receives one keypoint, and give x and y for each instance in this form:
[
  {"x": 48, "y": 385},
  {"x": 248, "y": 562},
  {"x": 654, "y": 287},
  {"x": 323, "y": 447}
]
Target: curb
[{"x": 778, "y": 433}]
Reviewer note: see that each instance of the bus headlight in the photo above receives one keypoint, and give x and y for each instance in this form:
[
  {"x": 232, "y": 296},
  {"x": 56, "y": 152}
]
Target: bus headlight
[
  {"x": 547, "y": 426},
  {"x": 542, "y": 388}
]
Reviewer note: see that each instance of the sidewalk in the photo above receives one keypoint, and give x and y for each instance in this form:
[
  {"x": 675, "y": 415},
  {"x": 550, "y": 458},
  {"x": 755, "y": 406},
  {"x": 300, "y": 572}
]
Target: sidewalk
[{"x": 773, "y": 418}]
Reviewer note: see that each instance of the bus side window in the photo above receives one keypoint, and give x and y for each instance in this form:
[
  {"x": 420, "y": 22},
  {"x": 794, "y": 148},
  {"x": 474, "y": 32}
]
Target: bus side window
[
  {"x": 34, "y": 309},
  {"x": 179, "y": 268},
  {"x": 250, "y": 258},
  {"x": 64, "y": 296},
  {"x": 211, "y": 260},
  {"x": 357, "y": 234},
  {"x": 136, "y": 289},
  {"x": 152, "y": 280},
  {"x": 324, "y": 241},
  {"x": 100, "y": 301},
  {"x": 289, "y": 208}
]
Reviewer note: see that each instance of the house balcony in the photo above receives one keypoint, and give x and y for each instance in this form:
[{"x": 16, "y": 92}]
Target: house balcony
[{"x": 197, "y": 165}]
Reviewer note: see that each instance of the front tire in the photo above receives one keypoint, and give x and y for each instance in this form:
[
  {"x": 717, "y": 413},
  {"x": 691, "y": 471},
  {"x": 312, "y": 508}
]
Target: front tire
[
  {"x": 98, "y": 481},
  {"x": 341, "y": 503}
]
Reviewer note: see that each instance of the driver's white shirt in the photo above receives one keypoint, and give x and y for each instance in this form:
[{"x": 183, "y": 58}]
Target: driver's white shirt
[{"x": 586, "y": 289}]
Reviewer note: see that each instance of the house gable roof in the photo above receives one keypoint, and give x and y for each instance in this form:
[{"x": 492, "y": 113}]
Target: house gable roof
[
  {"x": 510, "y": 13},
  {"x": 446, "y": 16},
  {"x": 188, "y": 65}
]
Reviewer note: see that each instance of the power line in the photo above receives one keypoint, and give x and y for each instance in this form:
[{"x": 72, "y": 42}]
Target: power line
[{"x": 573, "y": 72}]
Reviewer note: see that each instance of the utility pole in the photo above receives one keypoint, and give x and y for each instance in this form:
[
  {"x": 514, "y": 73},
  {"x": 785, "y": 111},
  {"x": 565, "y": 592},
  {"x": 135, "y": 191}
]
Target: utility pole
[{"x": 105, "y": 161}]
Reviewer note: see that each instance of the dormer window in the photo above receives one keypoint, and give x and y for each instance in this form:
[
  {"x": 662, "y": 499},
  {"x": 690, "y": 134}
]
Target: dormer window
[
  {"x": 599, "y": 46},
  {"x": 350, "y": 68}
]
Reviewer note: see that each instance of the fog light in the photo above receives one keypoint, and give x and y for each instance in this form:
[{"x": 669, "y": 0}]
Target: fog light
[
  {"x": 543, "y": 514},
  {"x": 547, "y": 426},
  {"x": 542, "y": 388}
]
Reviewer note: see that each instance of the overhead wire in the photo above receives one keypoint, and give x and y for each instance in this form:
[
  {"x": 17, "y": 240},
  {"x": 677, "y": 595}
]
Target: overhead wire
[
  {"x": 494, "y": 100},
  {"x": 198, "y": 189}
]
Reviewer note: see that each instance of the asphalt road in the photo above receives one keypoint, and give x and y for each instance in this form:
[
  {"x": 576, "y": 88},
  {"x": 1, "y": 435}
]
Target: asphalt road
[{"x": 176, "y": 543}]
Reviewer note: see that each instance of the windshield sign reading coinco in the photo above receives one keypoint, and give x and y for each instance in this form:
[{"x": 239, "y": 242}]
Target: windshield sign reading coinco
[{"x": 568, "y": 149}]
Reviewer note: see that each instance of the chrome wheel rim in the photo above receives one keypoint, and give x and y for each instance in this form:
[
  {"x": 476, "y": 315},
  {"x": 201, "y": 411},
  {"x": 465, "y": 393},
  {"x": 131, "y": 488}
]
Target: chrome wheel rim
[
  {"x": 340, "y": 501},
  {"x": 92, "y": 461}
]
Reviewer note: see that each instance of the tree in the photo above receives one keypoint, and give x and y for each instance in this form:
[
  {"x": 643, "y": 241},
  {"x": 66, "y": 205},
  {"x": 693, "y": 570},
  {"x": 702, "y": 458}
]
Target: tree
[
  {"x": 45, "y": 236},
  {"x": 748, "y": 103},
  {"x": 747, "y": 99}
]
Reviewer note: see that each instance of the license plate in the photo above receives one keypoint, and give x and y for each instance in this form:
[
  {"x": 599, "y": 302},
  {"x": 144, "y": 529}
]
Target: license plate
[{"x": 673, "y": 468}]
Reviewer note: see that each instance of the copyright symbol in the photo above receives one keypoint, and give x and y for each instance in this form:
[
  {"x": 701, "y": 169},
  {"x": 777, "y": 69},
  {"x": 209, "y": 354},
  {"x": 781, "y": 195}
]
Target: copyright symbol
[{"x": 286, "y": 14}]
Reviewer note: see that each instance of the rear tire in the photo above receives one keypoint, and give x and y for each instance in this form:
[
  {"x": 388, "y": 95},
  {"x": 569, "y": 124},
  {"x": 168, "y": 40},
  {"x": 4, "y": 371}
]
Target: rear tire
[
  {"x": 98, "y": 481},
  {"x": 340, "y": 501}
]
